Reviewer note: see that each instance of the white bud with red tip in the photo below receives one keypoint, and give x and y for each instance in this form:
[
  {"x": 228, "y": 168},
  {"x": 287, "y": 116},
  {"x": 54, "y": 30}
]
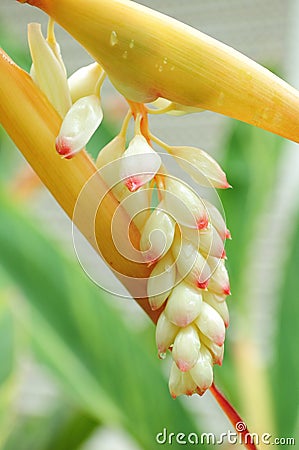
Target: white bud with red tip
[
  {"x": 219, "y": 281},
  {"x": 161, "y": 282},
  {"x": 180, "y": 383},
  {"x": 139, "y": 164},
  {"x": 202, "y": 371},
  {"x": 166, "y": 332},
  {"x": 185, "y": 205},
  {"x": 79, "y": 124},
  {"x": 190, "y": 263},
  {"x": 183, "y": 305},
  {"x": 157, "y": 235},
  {"x": 186, "y": 348},
  {"x": 220, "y": 306},
  {"x": 211, "y": 324},
  {"x": 200, "y": 166}
]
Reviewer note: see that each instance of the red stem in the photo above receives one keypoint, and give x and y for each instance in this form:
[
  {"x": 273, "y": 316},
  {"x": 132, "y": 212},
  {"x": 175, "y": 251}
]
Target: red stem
[{"x": 234, "y": 417}]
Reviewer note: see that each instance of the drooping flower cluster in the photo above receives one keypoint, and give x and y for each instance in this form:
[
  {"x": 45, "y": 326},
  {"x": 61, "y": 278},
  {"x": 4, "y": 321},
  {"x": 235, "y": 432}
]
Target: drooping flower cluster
[{"x": 181, "y": 234}]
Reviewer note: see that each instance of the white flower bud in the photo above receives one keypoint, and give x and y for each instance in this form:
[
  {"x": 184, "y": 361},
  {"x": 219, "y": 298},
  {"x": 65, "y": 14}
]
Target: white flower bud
[
  {"x": 211, "y": 324},
  {"x": 217, "y": 220},
  {"x": 83, "y": 82},
  {"x": 183, "y": 305},
  {"x": 190, "y": 263},
  {"x": 202, "y": 372},
  {"x": 219, "y": 281},
  {"x": 180, "y": 383},
  {"x": 139, "y": 164},
  {"x": 184, "y": 204},
  {"x": 157, "y": 235},
  {"x": 47, "y": 71},
  {"x": 217, "y": 351},
  {"x": 186, "y": 348},
  {"x": 200, "y": 166},
  {"x": 78, "y": 126},
  {"x": 111, "y": 152},
  {"x": 219, "y": 306},
  {"x": 166, "y": 332},
  {"x": 161, "y": 282},
  {"x": 210, "y": 243}
]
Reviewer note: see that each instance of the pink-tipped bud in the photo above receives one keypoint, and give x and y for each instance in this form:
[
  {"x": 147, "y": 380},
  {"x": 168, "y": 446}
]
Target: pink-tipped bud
[
  {"x": 216, "y": 219},
  {"x": 202, "y": 372},
  {"x": 78, "y": 126},
  {"x": 139, "y": 163},
  {"x": 183, "y": 305},
  {"x": 161, "y": 282},
  {"x": 180, "y": 383},
  {"x": 186, "y": 348},
  {"x": 157, "y": 235},
  {"x": 210, "y": 243},
  {"x": 211, "y": 324},
  {"x": 219, "y": 281},
  {"x": 186, "y": 207},
  {"x": 190, "y": 263},
  {"x": 166, "y": 332},
  {"x": 217, "y": 351},
  {"x": 219, "y": 306},
  {"x": 200, "y": 166}
]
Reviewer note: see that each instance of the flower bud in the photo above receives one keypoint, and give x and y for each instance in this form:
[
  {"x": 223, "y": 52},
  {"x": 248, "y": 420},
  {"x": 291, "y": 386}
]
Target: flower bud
[
  {"x": 166, "y": 332},
  {"x": 47, "y": 71},
  {"x": 219, "y": 281},
  {"x": 157, "y": 235},
  {"x": 183, "y": 305},
  {"x": 184, "y": 204},
  {"x": 180, "y": 383},
  {"x": 219, "y": 306},
  {"x": 217, "y": 351},
  {"x": 210, "y": 243},
  {"x": 200, "y": 166},
  {"x": 186, "y": 348},
  {"x": 210, "y": 324},
  {"x": 78, "y": 126},
  {"x": 202, "y": 372},
  {"x": 139, "y": 164},
  {"x": 83, "y": 82},
  {"x": 217, "y": 220},
  {"x": 161, "y": 282},
  {"x": 111, "y": 152},
  {"x": 190, "y": 263}
]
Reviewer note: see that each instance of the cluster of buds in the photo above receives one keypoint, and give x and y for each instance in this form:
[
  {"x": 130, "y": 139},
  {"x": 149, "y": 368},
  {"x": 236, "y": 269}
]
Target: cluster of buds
[{"x": 182, "y": 235}]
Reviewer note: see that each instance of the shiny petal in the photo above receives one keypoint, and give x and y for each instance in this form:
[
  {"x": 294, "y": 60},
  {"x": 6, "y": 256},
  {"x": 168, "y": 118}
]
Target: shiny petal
[{"x": 78, "y": 126}]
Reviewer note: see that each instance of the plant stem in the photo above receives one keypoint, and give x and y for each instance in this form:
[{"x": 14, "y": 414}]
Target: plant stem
[{"x": 234, "y": 417}]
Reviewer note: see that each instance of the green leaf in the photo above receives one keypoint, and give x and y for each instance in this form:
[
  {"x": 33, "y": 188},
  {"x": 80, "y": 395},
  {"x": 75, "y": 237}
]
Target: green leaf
[
  {"x": 96, "y": 358},
  {"x": 286, "y": 368},
  {"x": 63, "y": 428}
]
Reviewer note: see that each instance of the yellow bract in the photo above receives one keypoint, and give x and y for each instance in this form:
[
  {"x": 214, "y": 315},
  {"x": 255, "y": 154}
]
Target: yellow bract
[{"x": 149, "y": 55}]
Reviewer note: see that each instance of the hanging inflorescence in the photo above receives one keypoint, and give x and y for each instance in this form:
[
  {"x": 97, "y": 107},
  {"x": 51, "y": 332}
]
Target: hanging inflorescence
[{"x": 182, "y": 235}]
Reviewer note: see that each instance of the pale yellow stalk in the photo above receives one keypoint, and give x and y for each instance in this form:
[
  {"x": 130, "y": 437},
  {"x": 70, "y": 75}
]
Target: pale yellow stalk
[
  {"x": 33, "y": 124},
  {"x": 148, "y": 55}
]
